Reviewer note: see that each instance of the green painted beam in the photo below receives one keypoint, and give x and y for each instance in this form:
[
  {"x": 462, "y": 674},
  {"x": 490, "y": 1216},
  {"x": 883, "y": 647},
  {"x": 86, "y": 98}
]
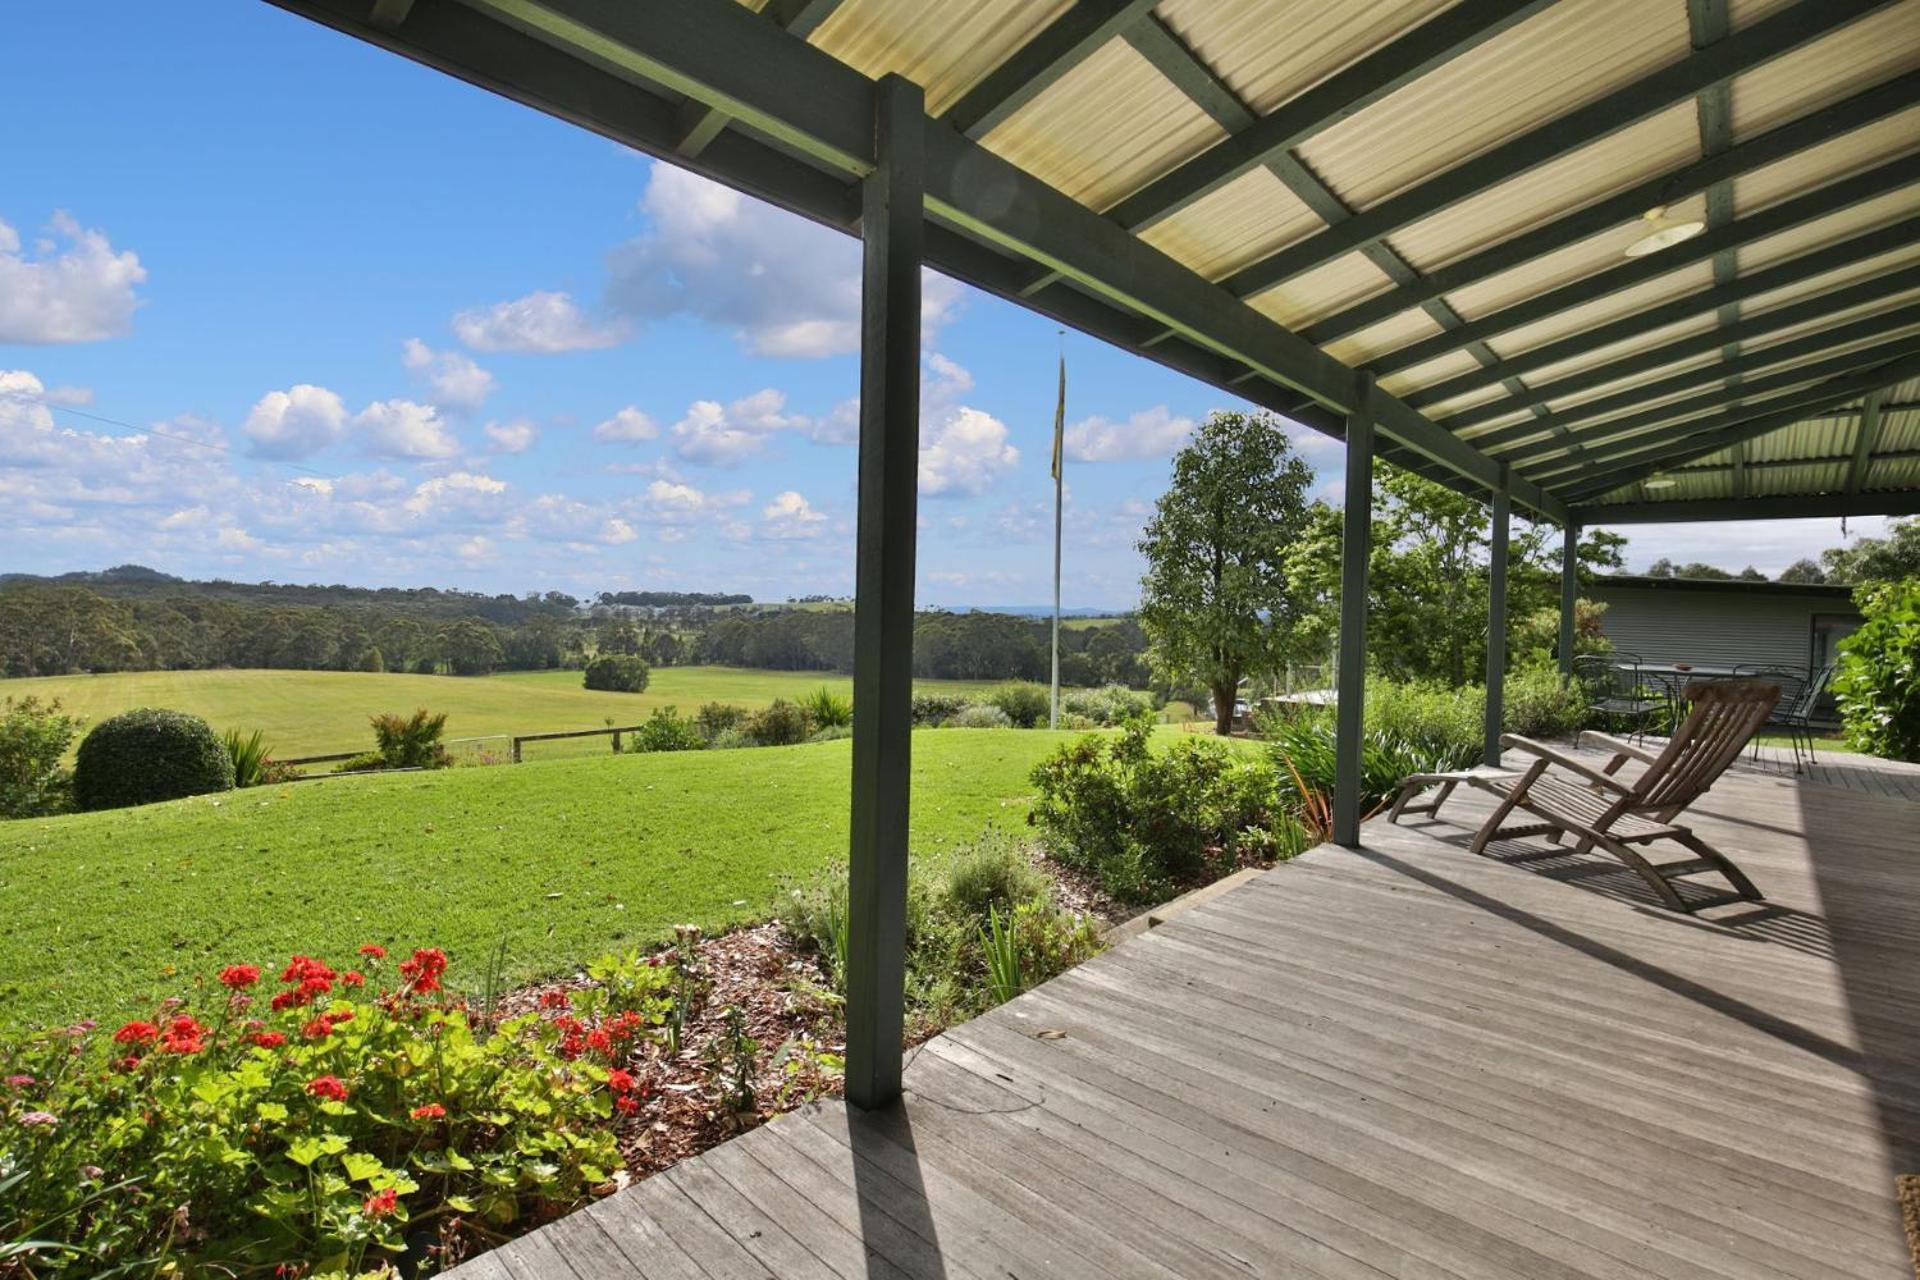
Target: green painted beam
[
  {"x": 1037, "y": 65},
  {"x": 1356, "y": 546},
  {"x": 1810, "y": 130},
  {"x": 1755, "y": 45},
  {"x": 1569, "y": 593},
  {"x": 892, "y": 215},
  {"x": 1820, "y": 307},
  {"x": 1592, "y": 484},
  {"x": 799, "y": 17},
  {"x": 1497, "y": 621},
  {"x": 1832, "y": 257},
  {"x": 1787, "y": 464},
  {"x": 1905, "y": 503},
  {"x": 1718, "y": 398},
  {"x": 1785, "y": 353},
  {"x": 1865, "y": 437}
]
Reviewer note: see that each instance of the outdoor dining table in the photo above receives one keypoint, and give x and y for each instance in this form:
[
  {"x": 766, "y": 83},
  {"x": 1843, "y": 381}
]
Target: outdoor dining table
[{"x": 1674, "y": 678}]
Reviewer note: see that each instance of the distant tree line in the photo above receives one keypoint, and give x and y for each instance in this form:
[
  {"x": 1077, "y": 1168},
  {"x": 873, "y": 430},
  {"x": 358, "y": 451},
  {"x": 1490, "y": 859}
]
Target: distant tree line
[
  {"x": 1887, "y": 559},
  {"x": 671, "y": 599}
]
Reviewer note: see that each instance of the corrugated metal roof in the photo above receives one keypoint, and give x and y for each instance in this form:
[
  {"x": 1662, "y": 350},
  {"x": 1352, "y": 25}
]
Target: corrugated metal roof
[
  {"x": 1876, "y": 48},
  {"x": 1273, "y": 50},
  {"x": 1105, "y": 128},
  {"x": 944, "y": 48},
  {"x": 1242, "y": 221}
]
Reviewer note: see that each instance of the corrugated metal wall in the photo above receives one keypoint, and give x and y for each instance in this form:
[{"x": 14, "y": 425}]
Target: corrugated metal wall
[{"x": 1713, "y": 627}]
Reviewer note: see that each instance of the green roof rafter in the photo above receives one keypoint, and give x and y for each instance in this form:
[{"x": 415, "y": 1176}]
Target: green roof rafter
[{"x": 1036, "y": 66}]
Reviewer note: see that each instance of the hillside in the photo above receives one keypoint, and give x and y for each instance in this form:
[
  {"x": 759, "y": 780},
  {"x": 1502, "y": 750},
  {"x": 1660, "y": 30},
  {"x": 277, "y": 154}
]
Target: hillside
[
  {"x": 319, "y": 712},
  {"x": 562, "y": 859}
]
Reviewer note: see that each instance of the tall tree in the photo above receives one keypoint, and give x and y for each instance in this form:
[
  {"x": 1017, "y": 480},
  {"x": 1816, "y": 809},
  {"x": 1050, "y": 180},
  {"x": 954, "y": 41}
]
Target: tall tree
[
  {"x": 1216, "y": 601},
  {"x": 1887, "y": 559},
  {"x": 1803, "y": 570}
]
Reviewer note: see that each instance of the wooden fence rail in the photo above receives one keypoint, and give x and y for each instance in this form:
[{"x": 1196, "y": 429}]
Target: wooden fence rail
[{"x": 573, "y": 733}]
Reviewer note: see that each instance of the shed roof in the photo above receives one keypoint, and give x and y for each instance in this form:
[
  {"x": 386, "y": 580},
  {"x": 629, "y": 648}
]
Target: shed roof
[{"x": 1274, "y": 195}]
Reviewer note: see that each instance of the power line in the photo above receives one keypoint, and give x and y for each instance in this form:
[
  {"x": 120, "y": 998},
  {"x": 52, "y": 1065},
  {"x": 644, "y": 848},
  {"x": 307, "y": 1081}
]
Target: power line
[{"x": 55, "y": 406}]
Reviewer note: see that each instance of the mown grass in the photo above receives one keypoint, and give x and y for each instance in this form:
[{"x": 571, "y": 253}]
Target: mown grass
[
  {"x": 563, "y": 859},
  {"x": 319, "y": 712}
]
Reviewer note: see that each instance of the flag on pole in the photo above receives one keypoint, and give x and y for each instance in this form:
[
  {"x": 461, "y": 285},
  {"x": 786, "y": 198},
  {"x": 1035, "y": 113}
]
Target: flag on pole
[{"x": 1060, "y": 418}]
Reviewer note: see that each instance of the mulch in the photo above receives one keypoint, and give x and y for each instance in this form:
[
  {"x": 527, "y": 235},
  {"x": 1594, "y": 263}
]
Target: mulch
[
  {"x": 786, "y": 1001},
  {"x": 1909, "y": 1191}
]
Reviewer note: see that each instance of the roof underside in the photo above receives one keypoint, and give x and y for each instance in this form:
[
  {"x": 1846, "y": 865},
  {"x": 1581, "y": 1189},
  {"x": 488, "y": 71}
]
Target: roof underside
[{"x": 1271, "y": 195}]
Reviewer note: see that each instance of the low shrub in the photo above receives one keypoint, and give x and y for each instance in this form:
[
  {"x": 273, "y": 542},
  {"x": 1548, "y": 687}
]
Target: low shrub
[
  {"x": 139, "y": 757},
  {"x": 832, "y": 734},
  {"x": 827, "y": 709},
  {"x": 349, "y": 1119},
  {"x": 1025, "y": 702},
  {"x": 935, "y": 709},
  {"x": 618, "y": 673},
  {"x": 1877, "y": 686},
  {"x": 1305, "y": 757},
  {"x": 992, "y": 873},
  {"x": 411, "y": 741},
  {"x": 1540, "y": 703},
  {"x": 365, "y": 762},
  {"x": 729, "y": 740},
  {"x": 1109, "y": 704},
  {"x": 34, "y": 737},
  {"x": 716, "y": 718},
  {"x": 978, "y": 715},
  {"x": 953, "y": 971},
  {"x": 1148, "y": 824},
  {"x": 779, "y": 724},
  {"x": 667, "y": 730}
]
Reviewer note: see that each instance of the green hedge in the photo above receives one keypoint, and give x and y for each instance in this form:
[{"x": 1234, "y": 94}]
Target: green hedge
[{"x": 139, "y": 757}]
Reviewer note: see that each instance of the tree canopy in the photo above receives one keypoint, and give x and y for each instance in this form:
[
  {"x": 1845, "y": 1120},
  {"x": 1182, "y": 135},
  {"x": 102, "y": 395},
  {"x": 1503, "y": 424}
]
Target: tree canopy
[{"x": 1217, "y": 601}]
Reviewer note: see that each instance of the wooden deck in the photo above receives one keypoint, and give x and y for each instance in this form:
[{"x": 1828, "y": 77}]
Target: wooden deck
[{"x": 1405, "y": 1061}]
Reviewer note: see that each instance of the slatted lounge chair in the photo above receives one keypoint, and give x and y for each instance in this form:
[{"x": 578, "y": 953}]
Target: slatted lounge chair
[{"x": 1598, "y": 807}]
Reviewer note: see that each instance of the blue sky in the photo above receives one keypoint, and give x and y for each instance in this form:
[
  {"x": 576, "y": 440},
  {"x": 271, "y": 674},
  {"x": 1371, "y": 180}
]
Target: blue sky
[{"x": 351, "y": 320}]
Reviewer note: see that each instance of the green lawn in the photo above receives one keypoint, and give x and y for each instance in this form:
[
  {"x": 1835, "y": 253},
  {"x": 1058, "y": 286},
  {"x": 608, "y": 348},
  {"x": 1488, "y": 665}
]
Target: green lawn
[
  {"x": 561, "y": 858},
  {"x": 319, "y": 712}
]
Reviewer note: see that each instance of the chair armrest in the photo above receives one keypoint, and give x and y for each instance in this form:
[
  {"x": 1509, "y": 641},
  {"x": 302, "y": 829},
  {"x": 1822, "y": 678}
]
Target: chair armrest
[
  {"x": 1622, "y": 750},
  {"x": 1564, "y": 761}
]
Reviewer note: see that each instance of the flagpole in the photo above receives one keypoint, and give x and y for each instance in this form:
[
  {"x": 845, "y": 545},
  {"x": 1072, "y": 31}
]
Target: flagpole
[{"x": 1059, "y": 472}]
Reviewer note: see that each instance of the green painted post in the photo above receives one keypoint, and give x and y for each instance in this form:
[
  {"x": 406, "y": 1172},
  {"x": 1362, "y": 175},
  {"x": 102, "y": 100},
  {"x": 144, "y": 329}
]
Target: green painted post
[
  {"x": 1356, "y": 544},
  {"x": 1497, "y": 619},
  {"x": 1569, "y": 591},
  {"x": 892, "y": 230}
]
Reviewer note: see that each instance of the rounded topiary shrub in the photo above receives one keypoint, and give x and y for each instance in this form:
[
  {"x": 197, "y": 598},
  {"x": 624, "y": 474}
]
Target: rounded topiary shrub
[
  {"x": 142, "y": 756},
  {"x": 617, "y": 673}
]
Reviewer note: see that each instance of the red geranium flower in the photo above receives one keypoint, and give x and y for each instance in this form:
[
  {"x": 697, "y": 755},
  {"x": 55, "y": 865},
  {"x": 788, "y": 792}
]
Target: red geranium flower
[
  {"x": 373, "y": 949},
  {"x": 620, "y": 1081},
  {"x": 432, "y": 1111},
  {"x": 328, "y": 1087},
  {"x": 318, "y": 1029},
  {"x": 136, "y": 1033},
  {"x": 237, "y": 976},
  {"x": 423, "y": 971},
  {"x": 287, "y": 1000},
  {"x": 184, "y": 1035},
  {"x": 626, "y": 1104},
  {"x": 353, "y": 978},
  {"x": 555, "y": 1000},
  {"x": 381, "y": 1203},
  {"x": 268, "y": 1039}
]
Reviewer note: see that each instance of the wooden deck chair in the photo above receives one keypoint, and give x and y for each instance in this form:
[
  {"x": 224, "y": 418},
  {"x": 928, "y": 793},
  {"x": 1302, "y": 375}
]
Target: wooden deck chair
[{"x": 1598, "y": 807}]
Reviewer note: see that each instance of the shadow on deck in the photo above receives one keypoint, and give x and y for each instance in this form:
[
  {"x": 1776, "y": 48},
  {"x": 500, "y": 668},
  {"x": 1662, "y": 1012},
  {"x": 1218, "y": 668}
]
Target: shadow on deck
[{"x": 1397, "y": 1061}]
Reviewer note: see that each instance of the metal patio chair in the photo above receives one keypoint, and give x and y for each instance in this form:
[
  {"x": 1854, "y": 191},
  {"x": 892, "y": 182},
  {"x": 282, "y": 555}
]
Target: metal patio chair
[
  {"x": 1800, "y": 697},
  {"x": 1616, "y": 694},
  {"x": 1570, "y": 797}
]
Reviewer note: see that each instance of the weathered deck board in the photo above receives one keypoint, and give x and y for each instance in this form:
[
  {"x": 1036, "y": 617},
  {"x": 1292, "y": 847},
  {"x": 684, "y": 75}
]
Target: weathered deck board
[{"x": 1399, "y": 1061}]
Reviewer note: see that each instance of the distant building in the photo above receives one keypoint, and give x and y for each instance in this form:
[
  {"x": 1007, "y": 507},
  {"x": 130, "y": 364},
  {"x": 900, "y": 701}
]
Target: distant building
[{"x": 1713, "y": 623}]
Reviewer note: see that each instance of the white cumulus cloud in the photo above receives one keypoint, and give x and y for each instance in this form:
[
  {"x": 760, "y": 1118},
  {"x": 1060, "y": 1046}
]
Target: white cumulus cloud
[
  {"x": 295, "y": 423},
  {"x": 77, "y": 291},
  {"x": 405, "y": 429},
  {"x": 516, "y": 436},
  {"x": 790, "y": 515},
  {"x": 626, "y": 426},
  {"x": 963, "y": 453},
  {"x": 452, "y": 380},
  {"x": 544, "y": 323},
  {"x": 717, "y": 435},
  {"x": 782, "y": 285},
  {"x": 1150, "y": 433}
]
